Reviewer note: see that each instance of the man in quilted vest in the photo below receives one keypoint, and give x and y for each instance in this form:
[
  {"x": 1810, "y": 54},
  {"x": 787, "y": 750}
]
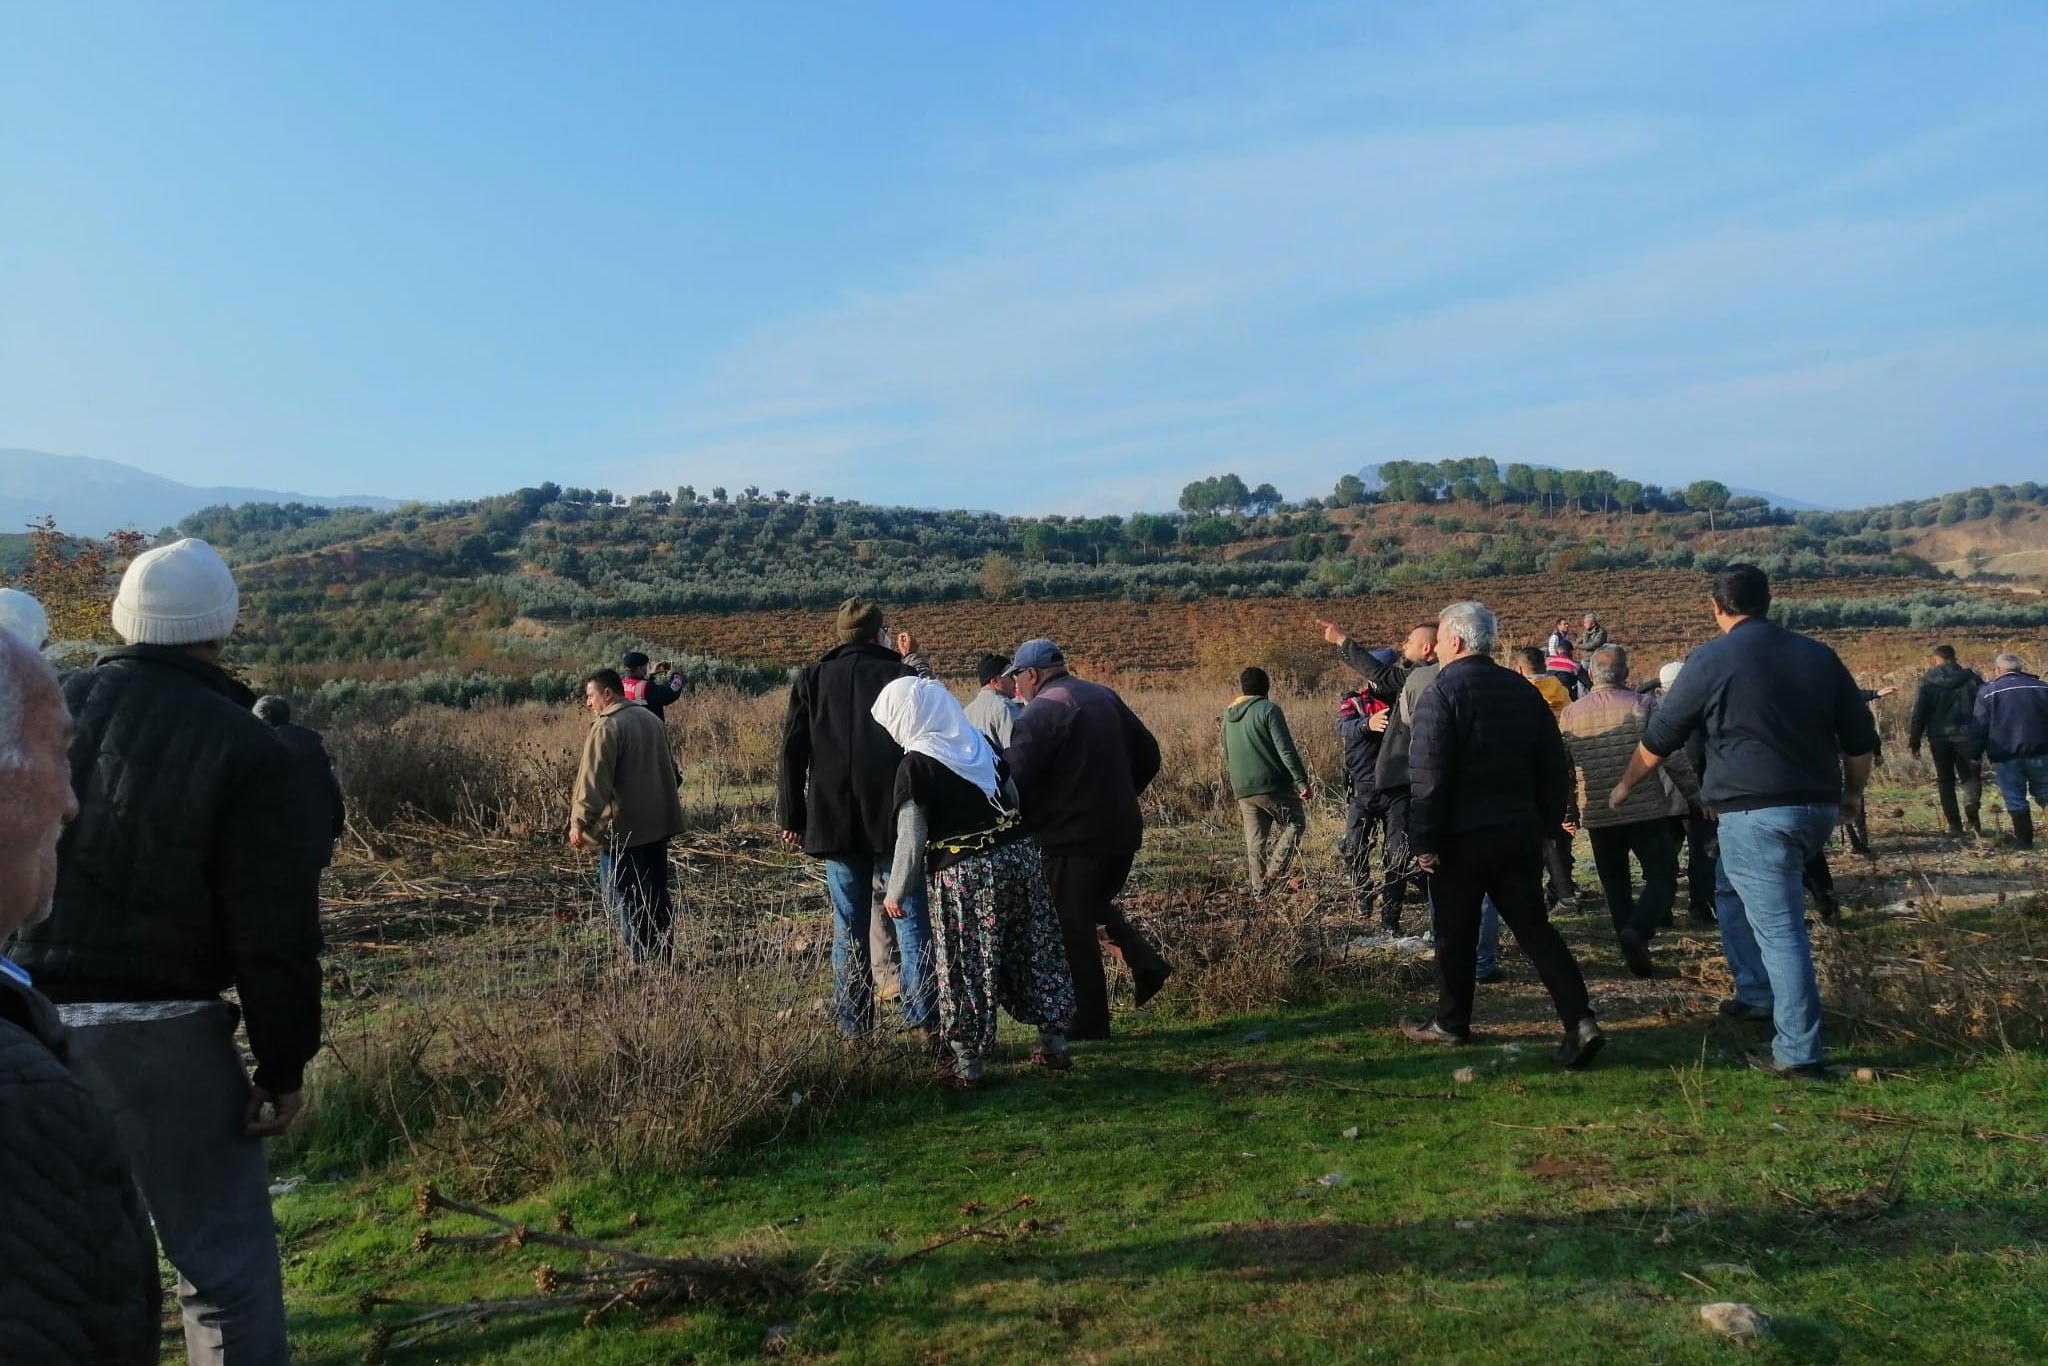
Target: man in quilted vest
[
  {"x": 1601, "y": 732},
  {"x": 77, "y": 1263}
]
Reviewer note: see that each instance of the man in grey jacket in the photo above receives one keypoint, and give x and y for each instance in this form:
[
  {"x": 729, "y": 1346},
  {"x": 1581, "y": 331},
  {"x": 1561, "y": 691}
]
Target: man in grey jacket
[{"x": 994, "y": 710}]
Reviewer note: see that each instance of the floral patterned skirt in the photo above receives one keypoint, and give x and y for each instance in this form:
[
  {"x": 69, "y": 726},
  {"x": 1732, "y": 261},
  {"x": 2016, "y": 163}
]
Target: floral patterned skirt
[{"x": 998, "y": 942}]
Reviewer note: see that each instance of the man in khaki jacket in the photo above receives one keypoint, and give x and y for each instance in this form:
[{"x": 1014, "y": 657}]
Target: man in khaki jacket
[
  {"x": 626, "y": 808},
  {"x": 1601, "y": 732}
]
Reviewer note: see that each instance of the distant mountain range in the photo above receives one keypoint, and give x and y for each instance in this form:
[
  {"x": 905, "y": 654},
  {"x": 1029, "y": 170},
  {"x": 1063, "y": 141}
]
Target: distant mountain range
[
  {"x": 1370, "y": 475},
  {"x": 93, "y": 497}
]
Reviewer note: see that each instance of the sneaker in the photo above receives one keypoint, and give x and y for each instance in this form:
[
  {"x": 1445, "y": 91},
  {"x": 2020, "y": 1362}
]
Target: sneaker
[
  {"x": 1568, "y": 902},
  {"x": 1734, "y": 1009},
  {"x": 1636, "y": 953},
  {"x": 1148, "y": 983},
  {"x": 1582, "y": 1043},
  {"x": 1768, "y": 1064},
  {"x": 1431, "y": 1032},
  {"x": 1052, "y": 1059}
]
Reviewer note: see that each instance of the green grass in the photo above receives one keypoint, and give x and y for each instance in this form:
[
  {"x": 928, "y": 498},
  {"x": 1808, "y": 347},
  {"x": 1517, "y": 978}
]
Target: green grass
[{"x": 1177, "y": 1175}]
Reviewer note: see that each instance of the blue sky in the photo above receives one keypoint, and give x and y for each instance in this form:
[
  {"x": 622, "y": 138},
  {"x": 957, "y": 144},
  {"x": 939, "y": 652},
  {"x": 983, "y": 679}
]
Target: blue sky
[{"x": 1032, "y": 257}]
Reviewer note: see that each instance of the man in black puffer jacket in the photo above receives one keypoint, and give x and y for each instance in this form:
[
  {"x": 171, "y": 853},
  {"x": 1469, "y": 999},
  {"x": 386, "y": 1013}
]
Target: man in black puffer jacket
[
  {"x": 77, "y": 1266},
  {"x": 179, "y": 879},
  {"x": 1942, "y": 708},
  {"x": 835, "y": 799}
]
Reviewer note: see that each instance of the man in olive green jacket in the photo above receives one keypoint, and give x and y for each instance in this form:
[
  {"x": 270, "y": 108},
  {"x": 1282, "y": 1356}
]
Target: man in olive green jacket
[
  {"x": 1267, "y": 775},
  {"x": 627, "y": 808}
]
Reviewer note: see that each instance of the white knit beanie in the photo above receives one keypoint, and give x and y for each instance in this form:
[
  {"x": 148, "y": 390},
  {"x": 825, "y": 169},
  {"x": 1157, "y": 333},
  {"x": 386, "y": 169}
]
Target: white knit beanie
[
  {"x": 177, "y": 594},
  {"x": 1669, "y": 673},
  {"x": 24, "y": 617}
]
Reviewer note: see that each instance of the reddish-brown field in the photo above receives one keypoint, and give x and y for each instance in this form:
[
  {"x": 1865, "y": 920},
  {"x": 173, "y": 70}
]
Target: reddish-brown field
[{"x": 1660, "y": 613}]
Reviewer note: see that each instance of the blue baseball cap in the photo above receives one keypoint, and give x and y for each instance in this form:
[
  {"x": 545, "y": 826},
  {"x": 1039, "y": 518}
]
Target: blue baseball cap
[{"x": 1035, "y": 654}]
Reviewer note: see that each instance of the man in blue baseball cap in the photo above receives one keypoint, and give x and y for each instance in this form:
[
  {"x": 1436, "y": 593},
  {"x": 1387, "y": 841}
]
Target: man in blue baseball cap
[{"x": 1080, "y": 758}]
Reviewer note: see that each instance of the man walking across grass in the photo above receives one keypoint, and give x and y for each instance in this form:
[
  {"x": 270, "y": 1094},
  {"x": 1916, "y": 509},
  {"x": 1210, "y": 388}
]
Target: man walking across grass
[
  {"x": 1081, "y": 759},
  {"x": 1268, "y": 778},
  {"x": 1944, "y": 706},
  {"x": 1489, "y": 776},
  {"x": 1789, "y": 745},
  {"x": 2010, "y": 723},
  {"x": 626, "y": 807},
  {"x": 1601, "y": 732}
]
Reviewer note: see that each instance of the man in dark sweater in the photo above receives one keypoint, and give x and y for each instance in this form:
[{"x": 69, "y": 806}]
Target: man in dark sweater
[
  {"x": 1788, "y": 753},
  {"x": 1489, "y": 777},
  {"x": 177, "y": 881},
  {"x": 835, "y": 800},
  {"x": 1081, "y": 758},
  {"x": 1396, "y": 681},
  {"x": 2010, "y": 724},
  {"x": 655, "y": 688},
  {"x": 1942, "y": 706}
]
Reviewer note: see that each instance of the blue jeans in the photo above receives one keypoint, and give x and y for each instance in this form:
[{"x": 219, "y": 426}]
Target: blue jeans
[
  {"x": 1762, "y": 905},
  {"x": 851, "y": 881},
  {"x": 2017, "y": 776},
  {"x": 635, "y": 883}
]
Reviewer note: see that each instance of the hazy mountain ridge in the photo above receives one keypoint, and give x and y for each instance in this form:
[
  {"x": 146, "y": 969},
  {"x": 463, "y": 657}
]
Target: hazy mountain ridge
[{"x": 92, "y": 497}]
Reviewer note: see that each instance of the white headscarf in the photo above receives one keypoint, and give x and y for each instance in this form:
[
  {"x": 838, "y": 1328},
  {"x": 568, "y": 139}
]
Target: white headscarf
[{"x": 924, "y": 718}]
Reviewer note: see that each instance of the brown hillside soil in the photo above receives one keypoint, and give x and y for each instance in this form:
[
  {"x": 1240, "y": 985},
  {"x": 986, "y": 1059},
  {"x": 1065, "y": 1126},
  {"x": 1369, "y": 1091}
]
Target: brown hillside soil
[
  {"x": 2018, "y": 547},
  {"x": 1661, "y": 612}
]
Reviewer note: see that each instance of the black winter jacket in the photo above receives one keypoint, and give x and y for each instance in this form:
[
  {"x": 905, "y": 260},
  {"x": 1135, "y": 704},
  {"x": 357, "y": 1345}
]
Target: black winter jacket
[
  {"x": 77, "y": 1260},
  {"x": 178, "y": 880},
  {"x": 1081, "y": 758},
  {"x": 1486, "y": 755},
  {"x": 319, "y": 815},
  {"x": 1385, "y": 682},
  {"x": 1943, "y": 705},
  {"x": 837, "y": 780}
]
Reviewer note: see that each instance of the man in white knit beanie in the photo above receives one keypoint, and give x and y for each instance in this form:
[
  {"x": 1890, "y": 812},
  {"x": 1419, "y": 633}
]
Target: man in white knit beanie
[{"x": 181, "y": 878}]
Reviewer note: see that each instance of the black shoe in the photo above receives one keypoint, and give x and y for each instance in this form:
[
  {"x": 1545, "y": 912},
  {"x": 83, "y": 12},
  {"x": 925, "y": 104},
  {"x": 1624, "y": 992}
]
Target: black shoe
[
  {"x": 1431, "y": 1032},
  {"x": 1955, "y": 832},
  {"x": 2023, "y": 829},
  {"x": 1700, "y": 918},
  {"x": 1582, "y": 1043},
  {"x": 1733, "y": 1009},
  {"x": 1148, "y": 982},
  {"x": 1490, "y": 976},
  {"x": 1829, "y": 909},
  {"x": 1636, "y": 953},
  {"x": 1768, "y": 1064}
]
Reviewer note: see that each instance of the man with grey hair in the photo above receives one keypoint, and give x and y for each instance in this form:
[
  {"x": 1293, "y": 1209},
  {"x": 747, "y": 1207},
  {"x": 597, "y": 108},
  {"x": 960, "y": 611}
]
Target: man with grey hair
[
  {"x": 2010, "y": 725},
  {"x": 80, "y": 1279},
  {"x": 1601, "y": 732},
  {"x": 1490, "y": 777}
]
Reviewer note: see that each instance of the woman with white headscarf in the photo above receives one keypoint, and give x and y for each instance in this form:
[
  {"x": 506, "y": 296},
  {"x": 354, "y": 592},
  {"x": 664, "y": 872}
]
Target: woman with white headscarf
[{"x": 997, "y": 939}]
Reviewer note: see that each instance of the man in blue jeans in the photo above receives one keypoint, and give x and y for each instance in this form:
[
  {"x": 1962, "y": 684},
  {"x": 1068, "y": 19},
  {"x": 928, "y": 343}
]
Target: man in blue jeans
[
  {"x": 835, "y": 801},
  {"x": 2010, "y": 724},
  {"x": 1789, "y": 745}
]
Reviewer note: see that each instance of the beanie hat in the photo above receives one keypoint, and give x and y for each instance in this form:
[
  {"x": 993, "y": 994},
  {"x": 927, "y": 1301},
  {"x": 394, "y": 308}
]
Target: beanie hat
[
  {"x": 1668, "y": 675},
  {"x": 633, "y": 659},
  {"x": 177, "y": 594},
  {"x": 24, "y": 617},
  {"x": 859, "y": 619}
]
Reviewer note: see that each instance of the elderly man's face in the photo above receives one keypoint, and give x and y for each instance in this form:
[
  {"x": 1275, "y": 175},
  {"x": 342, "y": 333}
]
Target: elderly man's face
[
  {"x": 1026, "y": 681},
  {"x": 36, "y": 803}
]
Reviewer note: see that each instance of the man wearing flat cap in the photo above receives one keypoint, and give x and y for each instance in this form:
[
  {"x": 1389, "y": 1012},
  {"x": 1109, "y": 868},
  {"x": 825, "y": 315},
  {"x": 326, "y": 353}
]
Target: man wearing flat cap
[
  {"x": 835, "y": 799},
  {"x": 1080, "y": 758}
]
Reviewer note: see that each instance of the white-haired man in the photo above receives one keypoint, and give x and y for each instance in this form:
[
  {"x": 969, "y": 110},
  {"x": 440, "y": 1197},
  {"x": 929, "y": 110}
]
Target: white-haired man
[
  {"x": 1489, "y": 774},
  {"x": 80, "y": 1269},
  {"x": 181, "y": 878},
  {"x": 2011, "y": 727}
]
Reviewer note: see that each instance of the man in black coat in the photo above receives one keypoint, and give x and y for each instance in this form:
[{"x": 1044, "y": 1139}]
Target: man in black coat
[
  {"x": 320, "y": 816},
  {"x": 176, "y": 882},
  {"x": 77, "y": 1264},
  {"x": 1942, "y": 708},
  {"x": 1081, "y": 759},
  {"x": 1489, "y": 775},
  {"x": 835, "y": 793}
]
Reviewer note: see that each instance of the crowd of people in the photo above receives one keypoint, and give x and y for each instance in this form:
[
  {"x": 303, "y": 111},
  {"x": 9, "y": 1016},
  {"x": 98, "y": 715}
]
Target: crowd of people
[{"x": 163, "y": 833}]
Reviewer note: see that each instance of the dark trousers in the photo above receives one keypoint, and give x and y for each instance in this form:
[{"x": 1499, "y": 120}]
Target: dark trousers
[
  {"x": 635, "y": 883},
  {"x": 1395, "y": 801},
  {"x": 1953, "y": 764},
  {"x": 1557, "y": 862},
  {"x": 1817, "y": 877},
  {"x": 1696, "y": 833},
  {"x": 1367, "y": 828},
  {"x": 1084, "y": 891},
  {"x": 1657, "y": 851},
  {"x": 1507, "y": 865}
]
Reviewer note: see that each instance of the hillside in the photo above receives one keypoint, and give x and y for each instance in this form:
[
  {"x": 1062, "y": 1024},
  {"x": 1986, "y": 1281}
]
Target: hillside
[{"x": 93, "y": 497}]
